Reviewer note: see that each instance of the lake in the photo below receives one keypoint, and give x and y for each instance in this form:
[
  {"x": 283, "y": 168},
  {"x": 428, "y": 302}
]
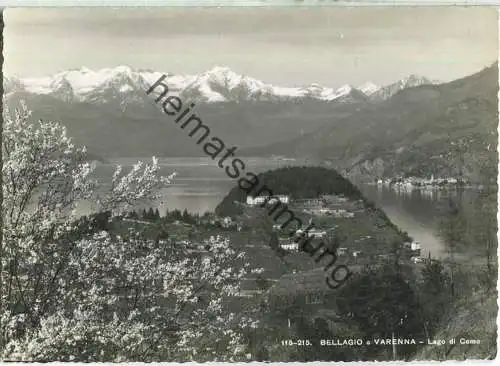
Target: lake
[{"x": 200, "y": 185}]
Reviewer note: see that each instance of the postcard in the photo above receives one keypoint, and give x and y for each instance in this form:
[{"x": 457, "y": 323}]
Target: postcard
[{"x": 249, "y": 184}]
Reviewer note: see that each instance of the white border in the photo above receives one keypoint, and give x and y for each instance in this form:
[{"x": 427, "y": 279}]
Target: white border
[
  {"x": 241, "y": 3},
  {"x": 276, "y": 3}
]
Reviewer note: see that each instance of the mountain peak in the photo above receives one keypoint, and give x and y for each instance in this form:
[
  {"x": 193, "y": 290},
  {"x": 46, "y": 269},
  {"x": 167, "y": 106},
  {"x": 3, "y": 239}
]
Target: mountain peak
[
  {"x": 221, "y": 73},
  {"x": 82, "y": 69},
  {"x": 220, "y": 70},
  {"x": 345, "y": 89},
  {"x": 409, "y": 81},
  {"x": 368, "y": 88},
  {"x": 414, "y": 80},
  {"x": 124, "y": 69},
  {"x": 218, "y": 84}
]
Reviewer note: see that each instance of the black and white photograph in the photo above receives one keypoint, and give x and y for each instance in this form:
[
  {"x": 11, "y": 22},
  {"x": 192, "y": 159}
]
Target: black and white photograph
[{"x": 240, "y": 184}]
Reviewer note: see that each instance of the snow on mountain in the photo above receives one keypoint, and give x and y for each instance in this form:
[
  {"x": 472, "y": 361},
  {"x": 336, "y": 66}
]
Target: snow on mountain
[
  {"x": 61, "y": 88},
  {"x": 411, "y": 81},
  {"x": 368, "y": 88},
  {"x": 11, "y": 85},
  {"x": 218, "y": 84},
  {"x": 345, "y": 89},
  {"x": 120, "y": 84},
  {"x": 222, "y": 84},
  {"x": 125, "y": 85},
  {"x": 414, "y": 80}
]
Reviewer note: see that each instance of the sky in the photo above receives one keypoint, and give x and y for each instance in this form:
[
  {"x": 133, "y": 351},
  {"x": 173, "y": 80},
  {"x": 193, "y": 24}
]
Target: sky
[{"x": 284, "y": 46}]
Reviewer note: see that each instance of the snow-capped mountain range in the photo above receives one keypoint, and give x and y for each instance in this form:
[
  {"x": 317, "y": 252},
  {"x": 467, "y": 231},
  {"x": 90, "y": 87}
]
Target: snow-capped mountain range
[{"x": 124, "y": 84}]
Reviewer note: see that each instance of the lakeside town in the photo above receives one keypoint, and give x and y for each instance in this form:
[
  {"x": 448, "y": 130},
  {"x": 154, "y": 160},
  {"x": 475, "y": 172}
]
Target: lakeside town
[{"x": 422, "y": 182}]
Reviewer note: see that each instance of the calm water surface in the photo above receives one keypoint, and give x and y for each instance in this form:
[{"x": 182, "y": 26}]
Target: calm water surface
[{"x": 199, "y": 185}]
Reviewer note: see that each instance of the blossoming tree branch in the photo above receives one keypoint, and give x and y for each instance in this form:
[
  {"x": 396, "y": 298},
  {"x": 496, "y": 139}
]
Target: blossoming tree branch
[{"x": 72, "y": 291}]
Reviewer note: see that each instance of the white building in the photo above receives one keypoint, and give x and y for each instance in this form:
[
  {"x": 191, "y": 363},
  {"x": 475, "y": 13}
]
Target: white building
[
  {"x": 259, "y": 200},
  {"x": 252, "y": 201},
  {"x": 317, "y": 233},
  {"x": 291, "y": 247},
  {"x": 357, "y": 253},
  {"x": 415, "y": 245}
]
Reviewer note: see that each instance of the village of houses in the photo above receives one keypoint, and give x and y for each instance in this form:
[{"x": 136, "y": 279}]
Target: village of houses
[
  {"x": 421, "y": 183},
  {"x": 324, "y": 209},
  {"x": 330, "y": 214}
]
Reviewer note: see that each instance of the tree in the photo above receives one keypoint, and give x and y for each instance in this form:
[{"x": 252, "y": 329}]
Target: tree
[
  {"x": 71, "y": 290},
  {"x": 382, "y": 304},
  {"x": 150, "y": 214},
  {"x": 320, "y": 328},
  {"x": 483, "y": 233},
  {"x": 262, "y": 283},
  {"x": 185, "y": 216},
  {"x": 434, "y": 294},
  {"x": 101, "y": 220},
  {"x": 176, "y": 214},
  {"x": 453, "y": 228}
]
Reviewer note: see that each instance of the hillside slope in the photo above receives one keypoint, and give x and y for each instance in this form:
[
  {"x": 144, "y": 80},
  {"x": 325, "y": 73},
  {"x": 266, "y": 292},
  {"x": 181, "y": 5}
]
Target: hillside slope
[
  {"x": 108, "y": 110},
  {"x": 472, "y": 318},
  {"x": 368, "y": 229},
  {"x": 443, "y": 130},
  {"x": 141, "y": 129}
]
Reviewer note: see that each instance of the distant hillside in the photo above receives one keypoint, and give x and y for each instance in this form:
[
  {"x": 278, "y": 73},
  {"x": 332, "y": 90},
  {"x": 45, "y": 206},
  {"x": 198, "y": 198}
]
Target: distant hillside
[
  {"x": 444, "y": 129},
  {"x": 410, "y": 127},
  {"x": 135, "y": 129}
]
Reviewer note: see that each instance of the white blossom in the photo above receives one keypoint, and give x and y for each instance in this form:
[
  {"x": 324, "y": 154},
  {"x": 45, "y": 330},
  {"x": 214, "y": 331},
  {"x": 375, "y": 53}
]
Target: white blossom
[{"x": 71, "y": 292}]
